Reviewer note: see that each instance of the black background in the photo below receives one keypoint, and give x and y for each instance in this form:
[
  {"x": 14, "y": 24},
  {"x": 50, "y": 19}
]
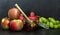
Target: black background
[{"x": 45, "y": 8}]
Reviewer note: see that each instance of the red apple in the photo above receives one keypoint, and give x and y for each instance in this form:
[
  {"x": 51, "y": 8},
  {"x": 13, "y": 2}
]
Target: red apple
[
  {"x": 13, "y": 13},
  {"x": 16, "y": 25},
  {"x": 22, "y": 17},
  {"x": 32, "y": 14},
  {"x": 33, "y": 17},
  {"x": 5, "y": 23}
]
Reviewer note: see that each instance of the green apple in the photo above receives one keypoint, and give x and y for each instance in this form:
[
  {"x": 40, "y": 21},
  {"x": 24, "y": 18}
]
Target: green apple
[
  {"x": 55, "y": 26},
  {"x": 40, "y": 20},
  {"x": 44, "y": 20},
  {"x": 52, "y": 20},
  {"x": 51, "y": 25},
  {"x": 58, "y": 25},
  {"x": 48, "y": 23},
  {"x": 57, "y": 22}
]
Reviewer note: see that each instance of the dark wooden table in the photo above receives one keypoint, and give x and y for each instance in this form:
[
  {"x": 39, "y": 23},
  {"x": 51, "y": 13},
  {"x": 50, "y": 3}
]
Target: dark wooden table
[{"x": 37, "y": 32}]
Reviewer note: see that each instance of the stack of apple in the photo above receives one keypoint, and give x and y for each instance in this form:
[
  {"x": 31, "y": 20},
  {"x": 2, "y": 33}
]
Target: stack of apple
[
  {"x": 15, "y": 20},
  {"x": 51, "y": 22}
]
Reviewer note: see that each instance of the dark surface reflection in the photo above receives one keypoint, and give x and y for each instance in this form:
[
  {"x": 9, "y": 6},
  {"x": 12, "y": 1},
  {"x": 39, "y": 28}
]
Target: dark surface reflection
[{"x": 38, "y": 32}]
